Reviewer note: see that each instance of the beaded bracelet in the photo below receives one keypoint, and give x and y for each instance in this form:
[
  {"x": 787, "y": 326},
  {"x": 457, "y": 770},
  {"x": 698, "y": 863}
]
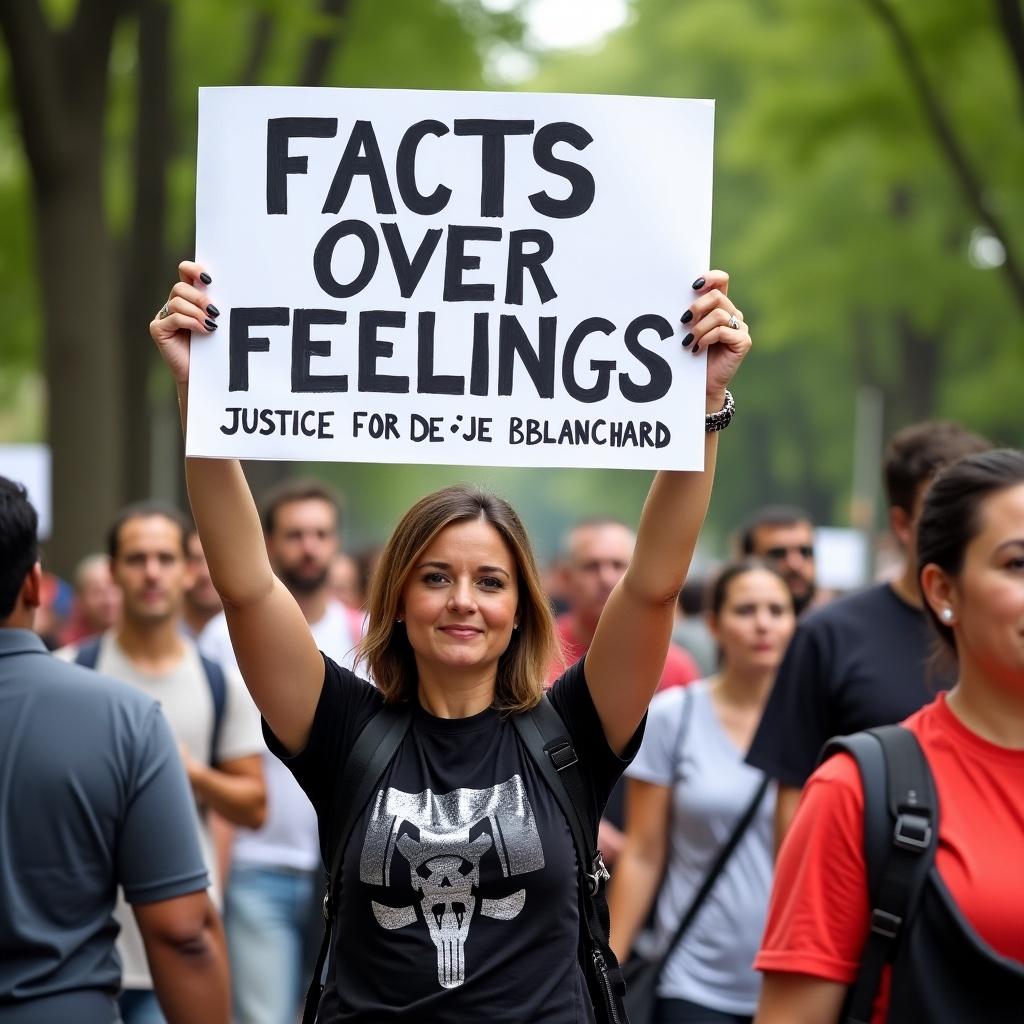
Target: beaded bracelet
[{"x": 715, "y": 421}]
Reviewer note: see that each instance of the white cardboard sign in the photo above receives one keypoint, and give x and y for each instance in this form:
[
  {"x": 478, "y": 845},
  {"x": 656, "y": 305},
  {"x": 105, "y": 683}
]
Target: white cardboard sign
[{"x": 451, "y": 277}]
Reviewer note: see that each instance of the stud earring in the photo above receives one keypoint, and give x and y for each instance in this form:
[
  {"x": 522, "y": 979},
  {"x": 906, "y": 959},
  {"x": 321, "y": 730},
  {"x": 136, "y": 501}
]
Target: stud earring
[{"x": 947, "y": 615}]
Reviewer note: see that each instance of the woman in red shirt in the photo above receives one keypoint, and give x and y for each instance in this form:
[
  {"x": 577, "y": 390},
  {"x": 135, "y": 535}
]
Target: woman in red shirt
[{"x": 971, "y": 553}]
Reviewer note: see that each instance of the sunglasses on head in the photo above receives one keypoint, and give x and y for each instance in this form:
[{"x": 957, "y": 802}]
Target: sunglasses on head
[{"x": 777, "y": 554}]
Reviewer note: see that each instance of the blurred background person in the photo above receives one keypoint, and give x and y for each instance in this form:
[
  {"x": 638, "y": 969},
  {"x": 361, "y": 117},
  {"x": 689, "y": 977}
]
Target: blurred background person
[
  {"x": 691, "y": 632},
  {"x": 202, "y": 602},
  {"x": 97, "y": 603},
  {"x": 862, "y": 660},
  {"x": 56, "y": 603},
  {"x": 596, "y": 553},
  {"x": 783, "y": 536},
  {"x": 92, "y": 797},
  {"x": 272, "y": 908},
  {"x": 345, "y": 580},
  {"x": 961, "y": 952},
  {"x": 209, "y": 710},
  {"x": 688, "y": 790}
]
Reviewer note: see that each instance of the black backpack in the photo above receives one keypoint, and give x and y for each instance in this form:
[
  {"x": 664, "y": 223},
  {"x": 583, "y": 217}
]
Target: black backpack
[
  {"x": 547, "y": 741},
  {"x": 89, "y": 653},
  {"x": 901, "y": 831}
]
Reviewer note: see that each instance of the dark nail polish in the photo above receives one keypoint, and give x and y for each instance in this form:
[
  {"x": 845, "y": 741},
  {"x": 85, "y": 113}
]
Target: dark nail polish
[
  {"x": 696, "y": 286},
  {"x": 212, "y": 310},
  {"x": 687, "y": 317},
  {"x": 687, "y": 340},
  {"x": 206, "y": 279},
  {"x": 696, "y": 348},
  {"x": 211, "y": 325}
]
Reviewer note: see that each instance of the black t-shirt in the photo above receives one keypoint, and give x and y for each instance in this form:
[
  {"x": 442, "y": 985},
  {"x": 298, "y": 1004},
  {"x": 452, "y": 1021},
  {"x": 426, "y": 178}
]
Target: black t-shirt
[
  {"x": 458, "y": 896},
  {"x": 857, "y": 663}
]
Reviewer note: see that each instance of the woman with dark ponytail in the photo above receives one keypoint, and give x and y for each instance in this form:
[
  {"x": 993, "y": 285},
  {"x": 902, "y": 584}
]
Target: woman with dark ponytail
[{"x": 957, "y": 952}]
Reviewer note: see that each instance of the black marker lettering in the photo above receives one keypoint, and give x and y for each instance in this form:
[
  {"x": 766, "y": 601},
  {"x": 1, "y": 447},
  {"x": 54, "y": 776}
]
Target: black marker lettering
[
  {"x": 405, "y": 171},
  {"x": 581, "y": 197},
  {"x": 372, "y": 348},
  {"x": 457, "y": 263},
  {"x": 520, "y": 260},
  {"x": 240, "y": 344},
  {"x": 427, "y": 382},
  {"x": 304, "y": 348},
  {"x": 323, "y": 256},
  {"x": 539, "y": 363},
  {"x": 279, "y": 164},
  {"x": 361, "y": 156},
  {"x": 602, "y": 367},
  {"x": 492, "y": 158},
  {"x": 657, "y": 366},
  {"x": 409, "y": 272}
]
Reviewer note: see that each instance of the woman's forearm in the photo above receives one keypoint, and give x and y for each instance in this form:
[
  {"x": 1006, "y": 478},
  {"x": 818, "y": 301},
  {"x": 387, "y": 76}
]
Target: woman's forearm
[
  {"x": 670, "y": 524},
  {"x": 631, "y": 896},
  {"x": 228, "y": 523}
]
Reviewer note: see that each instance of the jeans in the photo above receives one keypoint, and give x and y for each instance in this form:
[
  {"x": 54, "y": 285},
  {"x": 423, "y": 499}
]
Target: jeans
[
  {"x": 267, "y": 919},
  {"x": 682, "y": 1011},
  {"x": 139, "y": 1006}
]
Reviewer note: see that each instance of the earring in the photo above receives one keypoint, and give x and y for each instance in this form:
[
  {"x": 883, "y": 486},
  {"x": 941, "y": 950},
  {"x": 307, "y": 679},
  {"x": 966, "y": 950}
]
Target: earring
[
  {"x": 398, "y": 620},
  {"x": 947, "y": 615}
]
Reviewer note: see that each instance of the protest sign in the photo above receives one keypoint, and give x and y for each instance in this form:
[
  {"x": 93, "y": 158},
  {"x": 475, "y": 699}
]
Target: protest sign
[{"x": 454, "y": 278}]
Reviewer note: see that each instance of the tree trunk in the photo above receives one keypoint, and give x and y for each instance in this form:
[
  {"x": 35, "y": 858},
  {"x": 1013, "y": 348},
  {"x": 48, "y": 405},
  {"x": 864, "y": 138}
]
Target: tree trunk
[
  {"x": 920, "y": 365},
  {"x": 83, "y": 371},
  {"x": 145, "y": 266},
  {"x": 59, "y": 84}
]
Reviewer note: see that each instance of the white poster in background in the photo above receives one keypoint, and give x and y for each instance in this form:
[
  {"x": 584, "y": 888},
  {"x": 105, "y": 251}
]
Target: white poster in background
[
  {"x": 30, "y": 465},
  {"x": 451, "y": 277}
]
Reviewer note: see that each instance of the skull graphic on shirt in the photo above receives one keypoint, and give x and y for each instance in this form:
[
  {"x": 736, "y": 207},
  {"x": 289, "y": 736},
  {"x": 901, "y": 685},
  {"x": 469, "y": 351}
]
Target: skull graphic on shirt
[{"x": 432, "y": 833}]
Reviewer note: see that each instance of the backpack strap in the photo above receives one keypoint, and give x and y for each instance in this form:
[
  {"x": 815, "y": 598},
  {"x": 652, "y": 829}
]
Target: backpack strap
[
  {"x": 88, "y": 653},
  {"x": 373, "y": 751},
  {"x": 901, "y": 827},
  {"x": 714, "y": 872},
  {"x": 546, "y": 739},
  {"x": 218, "y": 684}
]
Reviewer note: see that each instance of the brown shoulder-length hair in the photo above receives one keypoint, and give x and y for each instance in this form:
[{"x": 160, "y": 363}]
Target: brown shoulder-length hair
[{"x": 524, "y": 665}]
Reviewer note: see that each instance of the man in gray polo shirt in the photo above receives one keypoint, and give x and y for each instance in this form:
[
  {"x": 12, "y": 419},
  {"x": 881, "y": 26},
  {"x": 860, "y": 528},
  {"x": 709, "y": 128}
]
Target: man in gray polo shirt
[{"x": 92, "y": 795}]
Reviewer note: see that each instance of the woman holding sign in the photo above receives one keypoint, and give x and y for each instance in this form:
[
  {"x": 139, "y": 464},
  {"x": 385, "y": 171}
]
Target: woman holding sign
[{"x": 454, "y": 800}]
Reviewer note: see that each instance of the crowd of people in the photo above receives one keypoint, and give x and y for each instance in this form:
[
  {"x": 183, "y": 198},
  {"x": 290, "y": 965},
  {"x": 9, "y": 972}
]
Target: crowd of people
[{"x": 189, "y": 748}]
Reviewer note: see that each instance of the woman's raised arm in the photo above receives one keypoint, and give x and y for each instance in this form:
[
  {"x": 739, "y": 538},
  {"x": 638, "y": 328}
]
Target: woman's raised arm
[
  {"x": 275, "y": 650},
  {"x": 626, "y": 658}
]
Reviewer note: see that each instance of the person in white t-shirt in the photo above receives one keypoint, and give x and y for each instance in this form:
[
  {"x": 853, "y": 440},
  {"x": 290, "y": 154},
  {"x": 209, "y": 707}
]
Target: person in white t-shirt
[
  {"x": 208, "y": 708},
  {"x": 687, "y": 789},
  {"x": 271, "y": 898}
]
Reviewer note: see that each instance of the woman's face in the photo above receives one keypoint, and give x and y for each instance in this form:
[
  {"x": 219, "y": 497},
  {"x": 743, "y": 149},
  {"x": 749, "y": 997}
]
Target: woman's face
[
  {"x": 988, "y": 596},
  {"x": 459, "y": 603},
  {"x": 755, "y": 622}
]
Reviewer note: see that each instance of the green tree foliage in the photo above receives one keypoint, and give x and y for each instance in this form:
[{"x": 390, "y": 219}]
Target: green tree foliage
[
  {"x": 841, "y": 219},
  {"x": 97, "y": 197}
]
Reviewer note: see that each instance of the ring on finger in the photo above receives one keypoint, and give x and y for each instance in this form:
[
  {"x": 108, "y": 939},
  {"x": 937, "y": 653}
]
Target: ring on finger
[
  {"x": 164, "y": 312},
  {"x": 734, "y": 322}
]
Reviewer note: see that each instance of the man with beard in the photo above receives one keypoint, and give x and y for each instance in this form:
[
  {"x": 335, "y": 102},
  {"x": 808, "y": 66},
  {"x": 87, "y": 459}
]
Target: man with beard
[
  {"x": 865, "y": 659},
  {"x": 209, "y": 710},
  {"x": 202, "y": 602},
  {"x": 596, "y": 554},
  {"x": 271, "y": 910},
  {"x": 783, "y": 536}
]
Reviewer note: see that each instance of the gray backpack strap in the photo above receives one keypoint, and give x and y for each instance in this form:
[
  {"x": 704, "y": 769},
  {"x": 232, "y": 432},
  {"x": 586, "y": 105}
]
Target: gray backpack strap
[
  {"x": 547, "y": 741},
  {"x": 373, "y": 751},
  {"x": 901, "y": 828},
  {"x": 218, "y": 684}
]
